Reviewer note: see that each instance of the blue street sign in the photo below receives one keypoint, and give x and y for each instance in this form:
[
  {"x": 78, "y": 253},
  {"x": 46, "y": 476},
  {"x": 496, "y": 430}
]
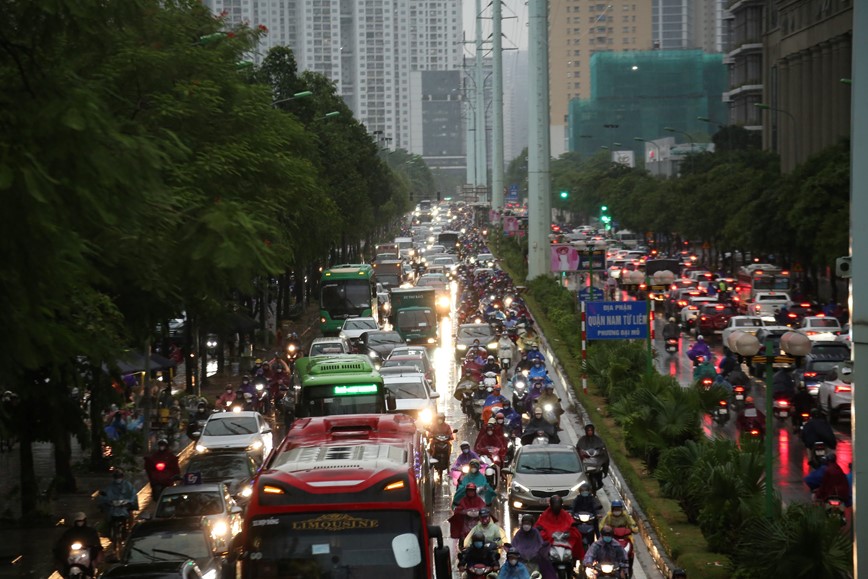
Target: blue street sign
[
  {"x": 596, "y": 295},
  {"x": 616, "y": 320},
  {"x": 599, "y": 259},
  {"x": 512, "y": 196}
]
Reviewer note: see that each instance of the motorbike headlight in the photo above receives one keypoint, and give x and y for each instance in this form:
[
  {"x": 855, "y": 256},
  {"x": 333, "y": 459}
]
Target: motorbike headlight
[
  {"x": 548, "y": 407},
  {"x": 492, "y": 345},
  {"x": 461, "y": 347},
  {"x": 255, "y": 445},
  {"x": 518, "y": 487},
  {"x": 465, "y": 469},
  {"x": 589, "y": 571},
  {"x": 75, "y": 546},
  {"x": 443, "y": 301},
  {"x": 212, "y": 343},
  {"x": 260, "y": 387},
  {"x": 607, "y": 568},
  {"x": 291, "y": 348},
  {"x": 426, "y": 416}
]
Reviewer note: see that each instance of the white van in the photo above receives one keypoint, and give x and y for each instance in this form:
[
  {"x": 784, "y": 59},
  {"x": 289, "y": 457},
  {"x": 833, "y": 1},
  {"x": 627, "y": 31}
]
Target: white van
[{"x": 627, "y": 238}]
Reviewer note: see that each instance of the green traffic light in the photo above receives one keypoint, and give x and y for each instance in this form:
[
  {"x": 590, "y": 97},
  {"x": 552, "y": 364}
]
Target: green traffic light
[
  {"x": 604, "y": 208},
  {"x": 565, "y": 194},
  {"x": 605, "y": 219}
]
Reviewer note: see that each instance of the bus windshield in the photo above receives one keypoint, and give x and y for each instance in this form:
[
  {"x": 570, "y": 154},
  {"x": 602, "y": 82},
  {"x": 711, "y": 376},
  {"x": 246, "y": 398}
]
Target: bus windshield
[
  {"x": 333, "y": 399},
  {"x": 346, "y": 297},
  {"x": 355, "y": 544}
]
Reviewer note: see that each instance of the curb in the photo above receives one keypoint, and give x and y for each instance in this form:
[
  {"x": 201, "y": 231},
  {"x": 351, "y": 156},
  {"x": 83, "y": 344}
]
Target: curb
[{"x": 649, "y": 537}]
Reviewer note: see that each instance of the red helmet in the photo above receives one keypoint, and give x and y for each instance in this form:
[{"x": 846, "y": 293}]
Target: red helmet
[{"x": 471, "y": 487}]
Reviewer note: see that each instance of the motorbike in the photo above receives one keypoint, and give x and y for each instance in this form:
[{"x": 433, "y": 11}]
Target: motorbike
[
  {"x": 593, "y": 460},
  {"x": 816, "y": 454},
  {"x": 550, "y": 415},
  {"x": 601, "y": 569},
  {"x": 584, "y": 522},
  {"x": 705, "y": 383},
  {"x": 80, "y": 561},
  {"x": 442, "y": 449},
  {"x": 835, "y": 508},
  {"x": 799, "y": 420},
  {"x": 672, "y": 345},
  {"x": 519, "y": 393},
  {"x": 624, "y": 537},
  {"x": 738, "y": 395},
  {"x": 293, "y": 351},
  {"x": 263, "y": 398},
  {"x": 782, "y": 408},
  {"x": 479, "y": 570},
  {"x": 561, "y": 554},
  {"x": 721, "y": 413}
]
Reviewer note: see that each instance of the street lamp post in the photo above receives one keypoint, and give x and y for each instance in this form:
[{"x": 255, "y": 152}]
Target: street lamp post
[
  {"x": 296, "y": 96},
  {"x": 720, "y": 126},
  {"x": 656, "y": 146},
  {"x": 689, "y": 139},
  {"x": 747, "y": 345}
]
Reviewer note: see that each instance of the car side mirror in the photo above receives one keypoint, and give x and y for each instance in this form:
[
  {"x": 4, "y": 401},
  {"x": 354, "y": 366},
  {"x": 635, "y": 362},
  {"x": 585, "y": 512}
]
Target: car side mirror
[
  {"x": 435, "y": 395},
  {"x": 266, "y": 430},
  {"x": 236, "y": 510},
  {"x": 391, "y": 403},
  {"x": 506, "y": 470}
]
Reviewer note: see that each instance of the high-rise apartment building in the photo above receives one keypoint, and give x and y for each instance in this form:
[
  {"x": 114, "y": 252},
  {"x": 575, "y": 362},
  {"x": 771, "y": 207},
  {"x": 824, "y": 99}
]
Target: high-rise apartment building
[
  {"x": 578, "y": 29},
  {"x": 689, "y": 24},
  {"x": 369, "y": 48}
]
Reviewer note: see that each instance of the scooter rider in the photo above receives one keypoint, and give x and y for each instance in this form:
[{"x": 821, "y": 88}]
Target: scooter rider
[
  {"x": 587, "y": 502},
  {"x": 555, "y": 519},
  {"x": 590, "y": 441},
  {"x": 492, "y": 532},
  {"x": 671, "y": 331},
  {"x": 523, "y": 364},
  {"x": 442, "y": 428},
  {"x": 607, "y": 549},
  {"x": 534, "y": 354},
  {"x": 537, "y": 424},
  {"x": 699, "y": 349},
  {"x": 514, "y": 568},
  {"x": 478, "y": 554},
  {"x": 227, "y": 398},
  {"x": 487, "y": 439},
  {"x": 201, "y": 415},
  {"x": 119, "y": 489},
  {"x": 817, "y": 429},
  {"x": 548, "y": 397},
  {"x": 491, "y": 365},
  {"x": 618, "y": 517},
  {"x": 465, "y": 456},
  {"x": 81, "y": 533},
  {"x": 162, "y": 468}
]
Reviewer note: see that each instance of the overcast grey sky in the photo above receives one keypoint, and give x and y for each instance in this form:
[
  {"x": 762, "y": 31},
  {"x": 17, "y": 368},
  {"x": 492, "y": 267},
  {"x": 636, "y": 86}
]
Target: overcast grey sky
[{"x": 515, "y": 29}]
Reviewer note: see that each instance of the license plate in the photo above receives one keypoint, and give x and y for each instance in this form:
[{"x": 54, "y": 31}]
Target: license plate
[
  {"x": 722, "y": 411},
  {"x": 782, "y": 413},
  {"x": 739, "y": 397}
]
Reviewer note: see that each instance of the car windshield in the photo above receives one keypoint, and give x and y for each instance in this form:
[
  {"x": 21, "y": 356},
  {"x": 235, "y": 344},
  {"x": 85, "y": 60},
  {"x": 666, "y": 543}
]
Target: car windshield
[
  {"x": 414, "y": 362},
  {"x": 356, "y": 545},
  {"x": 475, "y": 331},
  {"x": 548, "y": 463},
  {"x": 825, "y": 323},
  {"x": 831, "y": 350},
  {"x": 360, "y": 325},
  {"x": 407, "y": 320},
  {"x": 772, "y": 298},
  {"x": 743, "y": 322},
  {"x": 218, "y": 467},
  {"x": 717, "y": 311},
  {"x": 406, "y": 389},
  {"x": 824, "y": 365},
  {"x": 230, "y": 425},
  {"x": 384, "y": 338},
  {"x": 170, "y": 545},
  {"x": 346, "y": 297},
  {"x": 326, "y": 348},
  {"x": 192, "y": 504}
]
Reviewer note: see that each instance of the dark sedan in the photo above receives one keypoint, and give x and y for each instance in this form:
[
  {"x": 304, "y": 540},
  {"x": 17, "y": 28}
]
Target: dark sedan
[{"x": 378, "y": 345}]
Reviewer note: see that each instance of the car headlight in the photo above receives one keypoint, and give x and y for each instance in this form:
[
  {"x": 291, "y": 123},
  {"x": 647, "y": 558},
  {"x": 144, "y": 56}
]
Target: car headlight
[
  {"x": 373, "y": 355},
  {"x": 247, "y": 491},
  {"x": 575, "y": 487},
  {"x": 426, "y": 416},
  {"x": 220, "y": 529},
  {"x": 431, "y": 340},
  {"x": 212, "y": 574},
  {"x": 255, "y": 445},
  {"x": 518, "y": 487},
  {"x": 201, "y": 448},
  {"x": 461, "y": 347},
  {"x": 443, "y": 301},
  {"x": 492, "y": 345}
]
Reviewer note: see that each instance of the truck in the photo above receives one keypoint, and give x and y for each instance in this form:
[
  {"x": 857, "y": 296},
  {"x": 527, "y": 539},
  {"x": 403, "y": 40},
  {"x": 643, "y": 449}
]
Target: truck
[
  {"x": 414, "y": 314},
  {"x": 389, "y": 272}
]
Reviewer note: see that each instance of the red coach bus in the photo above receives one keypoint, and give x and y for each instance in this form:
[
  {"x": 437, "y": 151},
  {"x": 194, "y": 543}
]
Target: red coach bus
[{"x": 345, "y": 497}]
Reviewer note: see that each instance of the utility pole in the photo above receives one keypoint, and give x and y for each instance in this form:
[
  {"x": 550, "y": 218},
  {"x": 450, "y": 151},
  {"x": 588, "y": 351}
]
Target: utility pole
[
  {"x": 497, "y": 110},
  {"x": 469, "y": 132},
  {"x": 481, "y": 149},
  {"x": 539, "y": 146},
  {"x": 859, "y": 279}
]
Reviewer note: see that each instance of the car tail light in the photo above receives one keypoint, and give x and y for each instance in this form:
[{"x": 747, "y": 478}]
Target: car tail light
[
  {"x": 703, "y": 318},
  {"x": 783, "y": 403},
  {"x": 821, "y": 315},
  {"x": 810, "y": 333},
  {"x": 739, "y": 388},
  {"x": 735, "y": 298},
  {"x": 805, "y": 305},
  {"x": 843, "y": 388},
  {"x": 810, "y": 374},
  {"x": 791, "y": 315},
  {"x": 754, "y": 432}
]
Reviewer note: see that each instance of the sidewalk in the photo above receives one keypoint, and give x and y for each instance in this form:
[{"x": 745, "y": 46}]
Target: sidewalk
[{"x": 26, "y": 552}]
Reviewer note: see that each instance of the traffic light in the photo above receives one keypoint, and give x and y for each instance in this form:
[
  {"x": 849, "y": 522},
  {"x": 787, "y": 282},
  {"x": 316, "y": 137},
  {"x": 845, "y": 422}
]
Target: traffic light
[
  {"x": 605, "y": 219},
  {"x": 565, "y": 194}
]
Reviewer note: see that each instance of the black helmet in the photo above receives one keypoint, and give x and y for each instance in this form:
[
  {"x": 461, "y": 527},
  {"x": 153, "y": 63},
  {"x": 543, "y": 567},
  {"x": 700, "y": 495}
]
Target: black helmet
[
  {"x": 478, "y": 536},
  {"x": 816, "y": 413},
  {"x": 527, "y": 519},
  {"x": 556, "y": 500},
  {"x": 512, "y": 552},
  {"x": 590, "y": 426}
]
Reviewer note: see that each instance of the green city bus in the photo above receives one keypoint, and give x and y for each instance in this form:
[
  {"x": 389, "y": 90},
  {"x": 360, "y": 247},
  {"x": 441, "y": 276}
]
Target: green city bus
[
  {"x": 345, "y": 384},
  {"x": 345, "y": 291}
]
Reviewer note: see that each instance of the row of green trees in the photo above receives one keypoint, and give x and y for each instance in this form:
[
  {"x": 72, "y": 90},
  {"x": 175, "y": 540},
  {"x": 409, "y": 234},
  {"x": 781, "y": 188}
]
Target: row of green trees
[
  {"x": 146, "y": 168},
  {"x": 734, "y": 199}
]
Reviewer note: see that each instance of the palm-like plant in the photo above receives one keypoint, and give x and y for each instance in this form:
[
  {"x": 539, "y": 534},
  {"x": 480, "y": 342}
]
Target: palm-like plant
[{"x": 802, "y": 542}]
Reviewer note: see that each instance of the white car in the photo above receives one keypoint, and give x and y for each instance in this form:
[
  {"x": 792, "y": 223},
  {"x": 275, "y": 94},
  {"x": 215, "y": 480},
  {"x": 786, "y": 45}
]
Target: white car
[
  {"x": 329, "y": 347},
  {"x": 748, "y": 324},
  {"x": 835, "y": 395},
  {"x": 353, "y": 328},
  {"x": 245, "y": 430},
  {"x": 765, "y": 303},
  {"x": 690, "y": 312},
  {"x": 819, "y": 328},
  {"x": 485, "y": 260},
  {"x": 413, "y": 395}
]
